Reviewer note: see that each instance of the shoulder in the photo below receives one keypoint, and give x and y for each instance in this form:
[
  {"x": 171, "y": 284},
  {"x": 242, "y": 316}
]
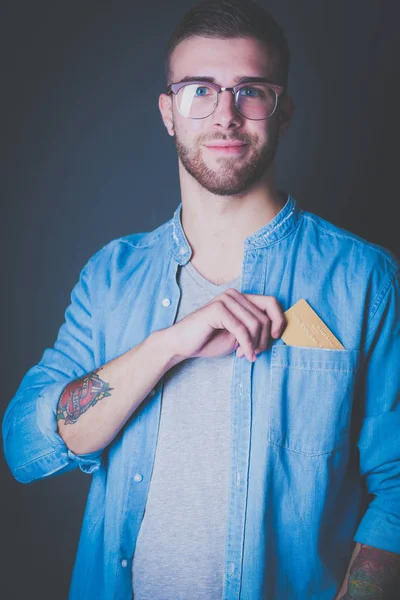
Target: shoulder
[
  {"x": 361, "y": 272},
  {"x": 355, "y": 251},
  {"x": 130, "y": 248}
]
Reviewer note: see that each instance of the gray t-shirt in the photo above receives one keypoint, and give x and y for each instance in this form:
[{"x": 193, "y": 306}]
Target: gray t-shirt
[{"x": 179, "y": 552}]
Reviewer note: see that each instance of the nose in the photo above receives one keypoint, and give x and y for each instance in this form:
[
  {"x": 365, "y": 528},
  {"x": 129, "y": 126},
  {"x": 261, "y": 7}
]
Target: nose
[{"x": 225, "y": 114}]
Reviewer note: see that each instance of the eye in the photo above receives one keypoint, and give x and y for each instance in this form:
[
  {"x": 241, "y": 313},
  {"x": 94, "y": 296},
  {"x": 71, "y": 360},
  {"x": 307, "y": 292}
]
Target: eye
[
  {"x": 250, "y": 92},
  {"x": 201, "y": 91}
]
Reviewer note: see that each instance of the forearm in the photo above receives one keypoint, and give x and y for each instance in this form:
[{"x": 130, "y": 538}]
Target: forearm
[
  {"x": 92, "y": 409},
  {"x": 373, "y": 574}
]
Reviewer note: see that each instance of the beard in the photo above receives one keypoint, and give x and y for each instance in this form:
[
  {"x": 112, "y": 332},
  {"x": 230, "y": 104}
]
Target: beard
[{"x": 234, "y": 176}]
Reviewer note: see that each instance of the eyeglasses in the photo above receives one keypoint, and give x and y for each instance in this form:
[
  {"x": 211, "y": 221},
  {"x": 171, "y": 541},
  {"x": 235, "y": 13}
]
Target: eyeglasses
[{"x": 198, "y": 99}]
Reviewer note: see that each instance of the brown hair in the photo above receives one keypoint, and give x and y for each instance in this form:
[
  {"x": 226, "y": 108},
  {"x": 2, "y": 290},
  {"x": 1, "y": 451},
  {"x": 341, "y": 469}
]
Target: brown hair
[{"x": 229, "y": 19}]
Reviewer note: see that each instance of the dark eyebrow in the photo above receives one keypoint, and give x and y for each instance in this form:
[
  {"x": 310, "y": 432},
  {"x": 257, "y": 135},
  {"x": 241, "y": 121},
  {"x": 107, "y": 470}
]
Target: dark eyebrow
[
  {"x": 238, "y": 79},
  {"x": 254, "y": 80},
  {"x": 199, "y": 78}
]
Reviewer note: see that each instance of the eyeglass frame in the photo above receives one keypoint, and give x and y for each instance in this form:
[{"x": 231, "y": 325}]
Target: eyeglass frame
[{"x": 173, "y": 88}]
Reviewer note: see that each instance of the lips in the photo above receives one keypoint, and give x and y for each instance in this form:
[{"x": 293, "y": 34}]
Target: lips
[
  {"x": 223, "y": 144},
  {"x": 226, "y": 147}
]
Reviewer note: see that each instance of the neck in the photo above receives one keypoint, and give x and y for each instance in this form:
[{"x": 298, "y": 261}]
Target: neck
[
  {"x": 222, "y": 223},
  {"x": 217, "y": 226}
]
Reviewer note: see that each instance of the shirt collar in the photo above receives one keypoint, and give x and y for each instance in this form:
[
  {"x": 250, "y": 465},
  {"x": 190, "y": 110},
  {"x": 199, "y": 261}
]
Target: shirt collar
[{"x": 281, "y": 225}]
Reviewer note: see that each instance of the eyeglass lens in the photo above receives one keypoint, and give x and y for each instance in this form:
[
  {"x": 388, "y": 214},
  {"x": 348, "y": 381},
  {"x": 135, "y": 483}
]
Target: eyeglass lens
[{"x": 196, "y": 101}]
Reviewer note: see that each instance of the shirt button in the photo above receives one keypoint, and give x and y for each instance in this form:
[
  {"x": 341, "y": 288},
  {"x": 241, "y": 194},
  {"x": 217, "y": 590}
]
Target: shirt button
[
  {"x": 152, "y": 393},
  {"x": 182, "y": 251},
  {"x": 138, "y": 477},
  {"x": 124, "y": 563},
  {"x": 166, "y": 302}
]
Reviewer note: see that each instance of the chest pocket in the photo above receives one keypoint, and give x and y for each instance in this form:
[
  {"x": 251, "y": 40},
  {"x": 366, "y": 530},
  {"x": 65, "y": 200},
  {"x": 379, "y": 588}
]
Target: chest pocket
[{"x": 311, "y": 398}]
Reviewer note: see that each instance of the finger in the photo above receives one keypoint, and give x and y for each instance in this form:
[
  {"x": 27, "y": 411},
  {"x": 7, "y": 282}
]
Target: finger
[
  {"x": 222, "y": 318},
  {"x": 239, "y": 352},
  {"x": 263, "y": 319},
  {"x": 246, "y": 312},
  {"x": 265, "y": 334},
  {"x": 271, "y": 306}
]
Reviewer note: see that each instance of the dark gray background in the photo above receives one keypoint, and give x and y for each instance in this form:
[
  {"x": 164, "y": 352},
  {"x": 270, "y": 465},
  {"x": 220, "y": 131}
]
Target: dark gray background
[{"x": 85, "y": 159}]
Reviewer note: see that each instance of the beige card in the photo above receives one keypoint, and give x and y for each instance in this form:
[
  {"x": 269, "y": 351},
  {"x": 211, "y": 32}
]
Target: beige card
[{"x": 305, "y": 328}]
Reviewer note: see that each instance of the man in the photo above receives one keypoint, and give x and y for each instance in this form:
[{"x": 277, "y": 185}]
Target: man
[{"x": 226, "y": 463}]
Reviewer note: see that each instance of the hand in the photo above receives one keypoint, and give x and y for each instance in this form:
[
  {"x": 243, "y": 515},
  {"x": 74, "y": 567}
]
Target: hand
[{"x": 231, "y": 321}]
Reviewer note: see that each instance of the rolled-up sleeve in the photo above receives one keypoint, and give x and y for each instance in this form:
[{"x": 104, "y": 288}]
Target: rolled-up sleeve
[
  {"x": 379, "y": 441},
  {"x": 32, "y": 446}
]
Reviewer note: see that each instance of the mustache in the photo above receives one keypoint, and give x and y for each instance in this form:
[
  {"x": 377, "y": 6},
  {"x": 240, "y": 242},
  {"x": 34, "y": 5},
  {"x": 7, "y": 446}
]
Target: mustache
[{"x": 239, "y": 137}]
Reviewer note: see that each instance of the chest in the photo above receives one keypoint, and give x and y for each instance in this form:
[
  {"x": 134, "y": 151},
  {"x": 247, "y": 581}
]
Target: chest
[{"x": 219, "y": 270}]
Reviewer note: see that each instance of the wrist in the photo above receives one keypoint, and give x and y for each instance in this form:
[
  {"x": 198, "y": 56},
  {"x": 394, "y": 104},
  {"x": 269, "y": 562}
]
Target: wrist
[{"x": 162, "y": 343}]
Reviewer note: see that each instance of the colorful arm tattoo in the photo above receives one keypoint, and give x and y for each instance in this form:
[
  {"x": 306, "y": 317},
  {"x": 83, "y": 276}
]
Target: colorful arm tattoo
[
  {"x": 81, "y": 394},
  {"x": 373, "y": 575}
]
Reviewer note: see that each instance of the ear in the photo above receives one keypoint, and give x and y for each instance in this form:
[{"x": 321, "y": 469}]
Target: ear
[
  {"x": 165, "y": 106},
  {"x": 285, "y": 114}
]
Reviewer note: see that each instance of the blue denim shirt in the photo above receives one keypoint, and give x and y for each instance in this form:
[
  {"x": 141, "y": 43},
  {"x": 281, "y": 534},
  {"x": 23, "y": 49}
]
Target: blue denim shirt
[{"x": 315, "y": 453}]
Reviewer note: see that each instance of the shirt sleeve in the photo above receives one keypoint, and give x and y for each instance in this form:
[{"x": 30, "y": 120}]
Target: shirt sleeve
[
  {"x": 32, "y": 446},
  {"x": 379, "y": 441}
]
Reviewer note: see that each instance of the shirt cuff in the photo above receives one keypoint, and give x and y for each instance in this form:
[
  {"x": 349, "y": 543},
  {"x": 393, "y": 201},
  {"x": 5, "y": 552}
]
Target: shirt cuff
[
  {"x": 46, "y": 408},
  {"x": 379, "y": 530}
]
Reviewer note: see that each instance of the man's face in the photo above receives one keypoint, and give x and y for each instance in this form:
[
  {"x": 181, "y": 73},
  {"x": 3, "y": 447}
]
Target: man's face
[{"x": 222, "y": 170}]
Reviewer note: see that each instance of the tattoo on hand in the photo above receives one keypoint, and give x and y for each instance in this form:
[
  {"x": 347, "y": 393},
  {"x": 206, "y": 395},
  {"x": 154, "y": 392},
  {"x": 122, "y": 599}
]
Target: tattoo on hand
[
  {"x": 374, "y": 575},
  {"x": 80, "y": 395}
]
